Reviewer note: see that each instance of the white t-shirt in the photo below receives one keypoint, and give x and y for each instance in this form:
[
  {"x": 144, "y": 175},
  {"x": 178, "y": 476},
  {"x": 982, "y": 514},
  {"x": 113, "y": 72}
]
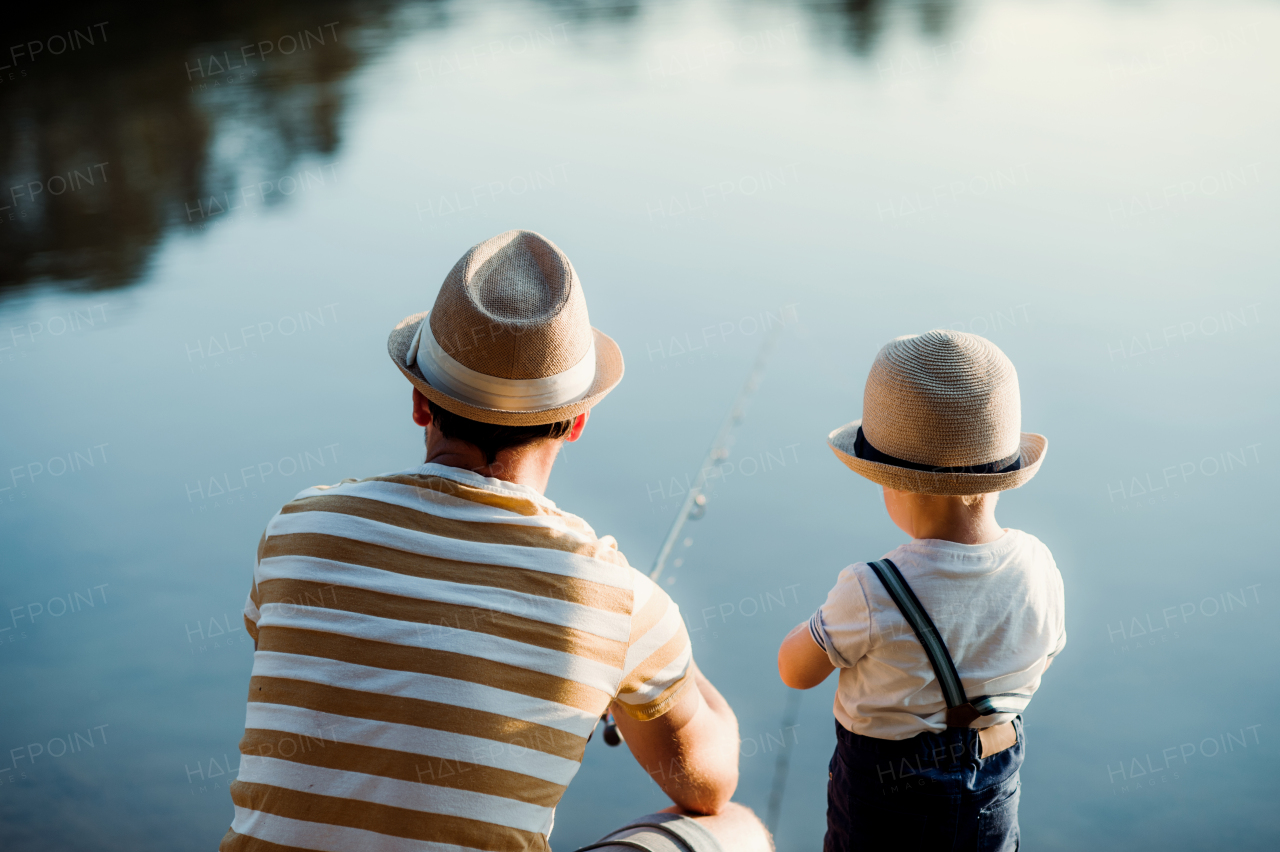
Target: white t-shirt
[{"x": 998, "y": 607}]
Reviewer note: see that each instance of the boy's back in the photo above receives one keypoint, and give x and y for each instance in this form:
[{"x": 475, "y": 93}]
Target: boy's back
[{"x": 998, "y": 607}]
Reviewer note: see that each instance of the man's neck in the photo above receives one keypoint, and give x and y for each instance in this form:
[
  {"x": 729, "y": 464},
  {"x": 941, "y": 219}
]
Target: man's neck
[{"x": 529, "y": 465}]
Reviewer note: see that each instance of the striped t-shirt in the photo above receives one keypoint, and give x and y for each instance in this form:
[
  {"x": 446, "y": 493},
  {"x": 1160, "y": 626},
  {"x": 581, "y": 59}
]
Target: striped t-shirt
[{"x": 433, "y": 649}]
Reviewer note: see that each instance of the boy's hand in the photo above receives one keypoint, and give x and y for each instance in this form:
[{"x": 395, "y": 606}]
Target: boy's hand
[{"x": 802, "y": 664}]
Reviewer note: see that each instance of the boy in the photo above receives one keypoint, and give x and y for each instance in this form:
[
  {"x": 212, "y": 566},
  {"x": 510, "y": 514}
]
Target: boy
[{"x": 927, "y": 758}]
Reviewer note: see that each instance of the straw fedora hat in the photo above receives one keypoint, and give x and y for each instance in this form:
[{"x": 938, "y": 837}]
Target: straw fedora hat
[
  {"x": 941, "y": 414},
  {"x": 508, "y": 341}
]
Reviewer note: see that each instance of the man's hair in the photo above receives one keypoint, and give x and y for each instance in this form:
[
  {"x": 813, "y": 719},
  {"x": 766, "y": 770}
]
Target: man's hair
[{"x": 490, "y": 438}]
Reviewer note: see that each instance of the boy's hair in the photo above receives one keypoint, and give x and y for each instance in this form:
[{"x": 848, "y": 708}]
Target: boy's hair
[
  {"x": 490, "y": 438},
  {"x": 978, "y": 499}
]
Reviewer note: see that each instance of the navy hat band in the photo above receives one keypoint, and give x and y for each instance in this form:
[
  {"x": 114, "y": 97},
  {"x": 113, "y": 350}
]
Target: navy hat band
[{"x": 862, "y": 449}]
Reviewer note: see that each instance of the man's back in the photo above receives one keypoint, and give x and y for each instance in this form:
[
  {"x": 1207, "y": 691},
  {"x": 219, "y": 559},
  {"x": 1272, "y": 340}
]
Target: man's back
[{"x": 434, "y": 648}]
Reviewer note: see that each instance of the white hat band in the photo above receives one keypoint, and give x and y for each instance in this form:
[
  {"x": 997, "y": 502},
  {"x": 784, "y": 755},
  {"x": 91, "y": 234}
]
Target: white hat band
[{"x": 443, "y": 371}]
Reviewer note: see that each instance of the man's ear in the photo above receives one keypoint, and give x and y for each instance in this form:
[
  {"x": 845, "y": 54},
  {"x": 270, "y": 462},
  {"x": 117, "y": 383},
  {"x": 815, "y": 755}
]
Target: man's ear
[
  {"x": 421, "y": 411},
  {"x": 579, "y": 423}
]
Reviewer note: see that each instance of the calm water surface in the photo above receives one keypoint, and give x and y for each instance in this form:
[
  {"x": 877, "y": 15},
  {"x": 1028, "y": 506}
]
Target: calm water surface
[{"x": 211, "y": 221}]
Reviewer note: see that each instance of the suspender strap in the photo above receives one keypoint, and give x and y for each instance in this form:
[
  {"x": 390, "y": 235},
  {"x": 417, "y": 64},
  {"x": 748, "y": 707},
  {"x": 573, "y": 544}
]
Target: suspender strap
[{"x": 915, "y": 614}]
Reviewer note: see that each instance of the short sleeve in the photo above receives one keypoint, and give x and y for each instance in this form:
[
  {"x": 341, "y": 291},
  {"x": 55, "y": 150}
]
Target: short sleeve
[
  {"x": 659, "y": 655},
  {"x": 842, "y": 625},
  {"x": 1060, "y": 612},
  {"x": 251, "y": 604},
  {"x": 1061, "y": 643}
]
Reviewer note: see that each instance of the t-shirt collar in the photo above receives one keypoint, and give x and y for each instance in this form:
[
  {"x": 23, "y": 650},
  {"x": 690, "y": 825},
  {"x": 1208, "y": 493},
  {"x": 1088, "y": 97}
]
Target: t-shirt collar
[
  {"x": 993, "y": 548},
  {"x": 470, "y": 477}
]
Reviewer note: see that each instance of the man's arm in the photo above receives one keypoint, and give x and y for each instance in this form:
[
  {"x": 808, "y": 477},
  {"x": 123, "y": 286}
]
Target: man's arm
[
  {"x": 801, "y": 662},
  {"x": 692, "y": 749}
]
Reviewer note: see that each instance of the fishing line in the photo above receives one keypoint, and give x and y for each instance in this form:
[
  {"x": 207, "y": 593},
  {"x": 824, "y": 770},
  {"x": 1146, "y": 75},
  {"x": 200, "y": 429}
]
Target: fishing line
[
  {"x": 783, "y": 763},
  {"x": 693, "y": 508},
  {"x": 695, "y": 501}
]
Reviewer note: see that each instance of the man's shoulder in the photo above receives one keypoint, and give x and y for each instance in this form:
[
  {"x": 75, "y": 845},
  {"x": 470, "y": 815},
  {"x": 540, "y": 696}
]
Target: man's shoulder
[
  {"x": 459, "y": 504},
  {"x": 435, "y": 489}
]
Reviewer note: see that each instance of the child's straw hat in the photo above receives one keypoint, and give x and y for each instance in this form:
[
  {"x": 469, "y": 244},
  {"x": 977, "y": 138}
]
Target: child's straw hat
[
  {"x": 941, "y": 414},
  {"x": 508, "y": 341}
]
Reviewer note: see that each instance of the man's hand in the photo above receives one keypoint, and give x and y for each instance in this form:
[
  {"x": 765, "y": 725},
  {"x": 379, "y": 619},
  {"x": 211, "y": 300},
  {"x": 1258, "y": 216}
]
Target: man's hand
[
  {"x": 691, "y": 750},
  {"x": 802, "y": 664}
]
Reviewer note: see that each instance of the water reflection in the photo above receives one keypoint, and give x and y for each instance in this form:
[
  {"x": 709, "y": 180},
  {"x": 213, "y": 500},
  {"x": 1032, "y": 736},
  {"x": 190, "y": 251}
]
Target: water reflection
[
  {"x": 860, "y": 24},
  {"x": 167, "y": 105},
  {"x": 117, "y": 126},
  {"x": 859, "y": 170}
]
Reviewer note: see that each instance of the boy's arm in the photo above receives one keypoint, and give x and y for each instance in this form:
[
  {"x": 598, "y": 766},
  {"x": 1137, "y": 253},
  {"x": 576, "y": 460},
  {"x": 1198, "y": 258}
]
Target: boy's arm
[
  {"x": 692, "y": 749},
  {"x": 802, "y": 663}
]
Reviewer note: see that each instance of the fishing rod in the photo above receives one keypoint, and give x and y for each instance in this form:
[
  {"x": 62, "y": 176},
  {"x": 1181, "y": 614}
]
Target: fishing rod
[
  {"x": 783, "y": 764},
  {"x": 695, "y": 501},
  {"x": 693, "y": 508}
]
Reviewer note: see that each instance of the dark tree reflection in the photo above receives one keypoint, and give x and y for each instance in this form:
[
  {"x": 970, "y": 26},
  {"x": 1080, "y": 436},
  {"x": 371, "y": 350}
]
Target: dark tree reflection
[
  {"x": 119, "y": 123},
  {"x": 145, "y": 111},
  {"x": 859, "y": 24}
]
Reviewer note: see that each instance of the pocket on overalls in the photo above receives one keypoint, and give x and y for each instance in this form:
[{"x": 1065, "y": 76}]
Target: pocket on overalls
[{"x": 998, "y": 821}]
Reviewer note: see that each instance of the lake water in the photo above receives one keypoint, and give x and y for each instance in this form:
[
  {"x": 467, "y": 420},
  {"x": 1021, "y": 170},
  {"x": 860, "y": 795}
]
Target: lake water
[{"x": 211, "y": 220}]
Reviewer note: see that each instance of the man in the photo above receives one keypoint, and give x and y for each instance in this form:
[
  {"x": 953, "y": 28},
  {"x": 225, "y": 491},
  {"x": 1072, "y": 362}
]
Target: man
[{"x": 435, "y": 647}]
